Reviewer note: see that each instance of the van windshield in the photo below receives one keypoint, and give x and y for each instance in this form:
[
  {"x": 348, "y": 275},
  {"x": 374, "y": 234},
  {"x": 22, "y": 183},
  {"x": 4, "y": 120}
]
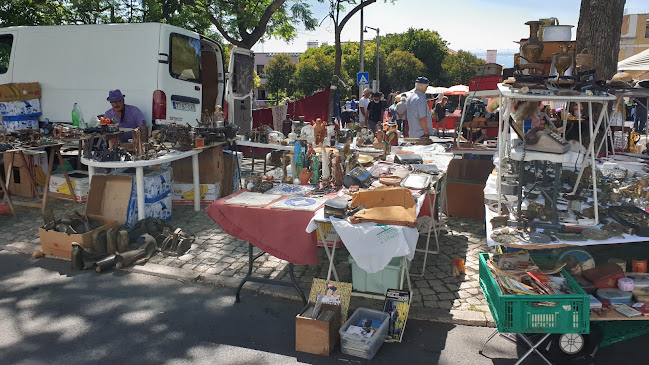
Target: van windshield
[
  {"x": 5, "y": 51},
  {"x": 185, "y": 58}
]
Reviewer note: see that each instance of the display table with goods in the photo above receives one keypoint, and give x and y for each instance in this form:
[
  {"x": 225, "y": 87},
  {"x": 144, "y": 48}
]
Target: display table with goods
[{"x": 275, "y": 211}]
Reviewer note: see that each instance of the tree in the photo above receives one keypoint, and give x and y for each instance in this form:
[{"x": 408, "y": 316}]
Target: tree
[
  {"x": 426, "y": 45},
  {"x": 279, "y": 73},
  {"x": 403, "y": 69},
  {"x": 459, "y": 68},
  {"x": 315, "y": 70},
  {"x": 245, "y": 22},
  {"x": 599, "y": 30}
]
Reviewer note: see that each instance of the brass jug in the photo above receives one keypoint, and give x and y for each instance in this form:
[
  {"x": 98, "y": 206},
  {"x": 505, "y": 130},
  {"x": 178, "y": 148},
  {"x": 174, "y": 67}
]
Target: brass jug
[{"x": 563, "y": 60}]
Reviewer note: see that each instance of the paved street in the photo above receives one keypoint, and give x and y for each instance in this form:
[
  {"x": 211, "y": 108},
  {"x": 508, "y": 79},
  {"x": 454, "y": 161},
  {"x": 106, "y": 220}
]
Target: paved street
[{"x": 219, "y": 258}]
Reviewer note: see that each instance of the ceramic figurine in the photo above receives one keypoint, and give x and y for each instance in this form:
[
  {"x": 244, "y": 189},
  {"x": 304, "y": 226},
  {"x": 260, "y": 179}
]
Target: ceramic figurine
[
  {"x": 315, "y": 171},
  {"x": 297, "y": 153},
  {"x": 337, "y": 169},
  {"x": 286, "y": 160},
  {"x": 326, "y": 172},
  {"x": 379, "y": 139},
  {"x": 304, "y": 176},
  {"x": 320, "y": 131},
  {"x": 360, "y": 141}
]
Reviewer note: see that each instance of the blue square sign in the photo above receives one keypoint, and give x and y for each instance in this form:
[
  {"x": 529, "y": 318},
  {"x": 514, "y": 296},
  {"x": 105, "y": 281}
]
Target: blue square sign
[{"x": 363, "y": 78}]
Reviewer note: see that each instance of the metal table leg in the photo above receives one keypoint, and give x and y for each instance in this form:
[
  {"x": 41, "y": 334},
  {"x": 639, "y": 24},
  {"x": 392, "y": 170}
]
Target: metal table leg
[
  {"x": 533, "y": 348},
  {"x": 255, "y": 279},
  {"x": 330, "y": 255}
]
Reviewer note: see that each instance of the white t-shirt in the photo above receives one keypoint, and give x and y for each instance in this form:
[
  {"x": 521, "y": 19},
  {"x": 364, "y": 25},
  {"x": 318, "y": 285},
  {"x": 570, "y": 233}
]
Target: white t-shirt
[{"x": 363, "y": 103}]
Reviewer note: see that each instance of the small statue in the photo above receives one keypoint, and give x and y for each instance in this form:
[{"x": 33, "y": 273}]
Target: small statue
[
  {"x": 304, "y": 176},
  {"x": 315, "y": 170},
  {"x": 286, "y": 160},
  {"x": 337, "y": 171},
  {"x": 347, "y": 150},
  {"x": 326, "y": 163},
  {"x": 320, "y": 131},
  {"x": 360, "y": 141}
]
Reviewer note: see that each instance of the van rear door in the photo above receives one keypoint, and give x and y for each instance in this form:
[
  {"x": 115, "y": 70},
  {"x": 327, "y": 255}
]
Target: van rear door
[
  {"x": 178, "y": 98},
  {"x": 7, "y": 45},
  {"x": 240, "y": 88}
]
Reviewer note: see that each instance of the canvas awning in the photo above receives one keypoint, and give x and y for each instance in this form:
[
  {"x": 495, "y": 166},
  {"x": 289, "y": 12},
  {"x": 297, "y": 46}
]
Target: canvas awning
[{"x": 639, "y": 62}]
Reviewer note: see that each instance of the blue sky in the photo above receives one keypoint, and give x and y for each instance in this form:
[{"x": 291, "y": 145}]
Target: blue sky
[{"x": 472, "y": 25}]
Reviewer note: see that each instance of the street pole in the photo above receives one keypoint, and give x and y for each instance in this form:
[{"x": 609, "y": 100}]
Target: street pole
[
  {"x": 377, "y": 61},
  {"x": 377, "y": 56},
  {"x": 362, "y": 51}
]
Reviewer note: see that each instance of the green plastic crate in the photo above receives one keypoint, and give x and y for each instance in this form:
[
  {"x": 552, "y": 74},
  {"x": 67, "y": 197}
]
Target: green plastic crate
[
  {"x": 378, "y": 282},
  {"x": 570, "y": 313}
]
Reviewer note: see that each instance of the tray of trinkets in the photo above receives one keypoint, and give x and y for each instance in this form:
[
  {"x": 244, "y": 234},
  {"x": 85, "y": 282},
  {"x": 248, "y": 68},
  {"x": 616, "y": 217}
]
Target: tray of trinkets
[{"x": 632, "y": 217}]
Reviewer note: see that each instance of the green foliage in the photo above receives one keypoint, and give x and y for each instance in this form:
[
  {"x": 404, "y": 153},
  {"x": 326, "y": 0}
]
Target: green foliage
[
  {"x": 314, "y": 70},
  {"x": 459, "y": 68},
  {"x": 426, "y": 45},
  {"x": 402, "y": 69},
  {"x": 245, "y": 22},
  {"x": 279, "y": 72}
]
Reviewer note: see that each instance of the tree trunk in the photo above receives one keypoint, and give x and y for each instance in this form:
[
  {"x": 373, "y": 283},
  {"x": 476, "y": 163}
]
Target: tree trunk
[{"x": 600, "y": 24}]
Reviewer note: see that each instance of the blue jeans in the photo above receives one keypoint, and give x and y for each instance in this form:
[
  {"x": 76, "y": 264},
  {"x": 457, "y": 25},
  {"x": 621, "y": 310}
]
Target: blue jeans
[{"x": 372, "y": 124}]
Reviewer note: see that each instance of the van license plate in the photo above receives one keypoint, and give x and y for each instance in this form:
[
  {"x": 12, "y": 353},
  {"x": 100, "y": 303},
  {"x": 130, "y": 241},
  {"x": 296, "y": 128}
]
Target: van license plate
[{"x": 184, "y": 106}]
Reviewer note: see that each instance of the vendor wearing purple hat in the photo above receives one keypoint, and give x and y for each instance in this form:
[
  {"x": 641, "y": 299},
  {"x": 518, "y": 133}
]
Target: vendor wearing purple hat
[{"x": 127, "y": 116}]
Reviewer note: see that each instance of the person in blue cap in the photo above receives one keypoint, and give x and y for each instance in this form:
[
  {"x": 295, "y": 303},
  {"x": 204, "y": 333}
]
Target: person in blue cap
[
  {"x": 127, "y": 116},
  {"x": 420, "y": 123}
]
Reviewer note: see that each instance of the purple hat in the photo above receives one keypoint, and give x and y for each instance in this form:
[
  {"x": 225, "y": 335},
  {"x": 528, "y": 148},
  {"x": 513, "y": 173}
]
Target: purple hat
[{"x": 115, "y": 95}]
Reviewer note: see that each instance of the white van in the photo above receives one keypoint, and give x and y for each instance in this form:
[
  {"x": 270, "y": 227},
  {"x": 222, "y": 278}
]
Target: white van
[{"x": 170, "y": 73}]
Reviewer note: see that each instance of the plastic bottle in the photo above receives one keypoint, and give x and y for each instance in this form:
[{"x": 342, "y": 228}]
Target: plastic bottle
[{"x": 75, "y": 115}]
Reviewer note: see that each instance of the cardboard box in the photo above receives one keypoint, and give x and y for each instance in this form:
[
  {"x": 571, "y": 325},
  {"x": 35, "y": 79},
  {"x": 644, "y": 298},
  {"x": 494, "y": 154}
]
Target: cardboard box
[
  {"x": 604, "y": 276},
  {"x": 35, "y": 164},
  {"x": 80, "y": 183},
  {"x": 20, "y": 91},
  {"x": 160, "y": 209},
  {"x": 183, "y": 194},
  {"x": 157, "y": 182},
  {"x": 317, "y": 337},
  {"x": 470, "y": 170},
  {"x": 210, "y": 167},
  {"x": 114, "y": 196},
  {"x": 332, "y": 236},
  {"x": 59, "y": 244},
  {"x": 465, "y": 199},
  {"x": 111, "y": 196},
  {"x": 19, "y": 125}
]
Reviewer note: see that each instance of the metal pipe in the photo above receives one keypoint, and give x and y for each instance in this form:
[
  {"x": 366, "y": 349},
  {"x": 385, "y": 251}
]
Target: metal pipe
[
  {"x": 377, "y": 56},
  {"x": 362, "y": 55}
]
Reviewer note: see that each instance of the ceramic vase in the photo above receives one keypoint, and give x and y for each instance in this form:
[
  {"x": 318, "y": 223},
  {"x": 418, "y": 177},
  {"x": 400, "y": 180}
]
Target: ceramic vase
[
  {"x": 533, "y": 48},
  {"x": 304, "y": 176}
]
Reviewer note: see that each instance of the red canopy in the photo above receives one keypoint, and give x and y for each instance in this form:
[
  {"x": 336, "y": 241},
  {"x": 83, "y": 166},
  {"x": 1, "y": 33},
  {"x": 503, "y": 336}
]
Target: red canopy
[{"x": 457, "y": 90}]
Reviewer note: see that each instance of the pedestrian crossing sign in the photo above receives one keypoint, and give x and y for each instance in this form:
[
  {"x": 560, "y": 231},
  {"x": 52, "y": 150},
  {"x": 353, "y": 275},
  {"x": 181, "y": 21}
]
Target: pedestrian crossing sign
[{"x": 363, "y": 78}]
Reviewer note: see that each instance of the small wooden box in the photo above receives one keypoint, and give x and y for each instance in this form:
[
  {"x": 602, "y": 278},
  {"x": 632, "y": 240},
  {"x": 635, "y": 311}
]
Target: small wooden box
[{"x": 317, "y": 337}]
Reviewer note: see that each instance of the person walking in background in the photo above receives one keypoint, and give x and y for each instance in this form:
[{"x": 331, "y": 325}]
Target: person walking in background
[
  {"x": 440, "y": 111},
  {"x": 401, "y": 111},
  {"x": 353, "y": 104},
  {"x": 420, "y": 123},
  {"x": 375, "y": 111},
  {"x": 362, "y": 107}
]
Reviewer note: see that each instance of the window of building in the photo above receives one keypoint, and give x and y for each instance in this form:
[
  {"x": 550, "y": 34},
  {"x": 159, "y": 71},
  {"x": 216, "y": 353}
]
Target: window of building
[
  {"x": 646, "y": 29},
  {"x": 260, "y": 70},
  {"x": 5, "y": 52}
]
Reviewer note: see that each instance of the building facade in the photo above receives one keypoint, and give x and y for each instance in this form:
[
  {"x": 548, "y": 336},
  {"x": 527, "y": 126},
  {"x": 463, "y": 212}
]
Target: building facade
[{"x": 635, "y": 35}]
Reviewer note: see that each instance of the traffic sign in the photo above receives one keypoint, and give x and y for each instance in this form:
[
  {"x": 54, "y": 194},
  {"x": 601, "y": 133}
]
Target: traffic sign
[{"x": 363, "y": 78}]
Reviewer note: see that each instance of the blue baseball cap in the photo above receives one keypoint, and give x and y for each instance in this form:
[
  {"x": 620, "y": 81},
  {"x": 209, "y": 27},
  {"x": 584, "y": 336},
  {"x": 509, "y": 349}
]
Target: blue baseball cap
[{"x": 422, "y": 80}]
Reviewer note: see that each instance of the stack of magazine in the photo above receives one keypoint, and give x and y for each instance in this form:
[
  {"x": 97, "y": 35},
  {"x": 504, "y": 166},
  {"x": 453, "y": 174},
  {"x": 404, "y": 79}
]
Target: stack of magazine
[{"x": 516, "y": 273}]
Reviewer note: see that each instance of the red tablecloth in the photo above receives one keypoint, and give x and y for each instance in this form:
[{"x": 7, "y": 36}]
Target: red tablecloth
[{"x": 276, "y": 231}]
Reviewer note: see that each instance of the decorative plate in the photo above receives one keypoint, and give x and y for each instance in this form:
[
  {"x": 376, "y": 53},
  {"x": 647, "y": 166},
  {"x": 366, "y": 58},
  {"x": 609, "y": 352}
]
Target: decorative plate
[
  {"x": 290, "y": 189},
  {"x": 299, "y": 203}
]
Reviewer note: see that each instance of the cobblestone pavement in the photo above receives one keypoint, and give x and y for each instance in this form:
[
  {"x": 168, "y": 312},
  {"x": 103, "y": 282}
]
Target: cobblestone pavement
[{"x": 218, "y": 258}]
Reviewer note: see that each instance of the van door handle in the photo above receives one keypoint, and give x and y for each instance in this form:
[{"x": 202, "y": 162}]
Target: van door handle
[{"x": 163, "y": 58}]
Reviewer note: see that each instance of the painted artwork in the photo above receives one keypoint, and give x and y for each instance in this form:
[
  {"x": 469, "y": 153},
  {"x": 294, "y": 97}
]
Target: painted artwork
[
  {"x": 397, "y": 306},
  {"x": 332, "y": 292}
]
